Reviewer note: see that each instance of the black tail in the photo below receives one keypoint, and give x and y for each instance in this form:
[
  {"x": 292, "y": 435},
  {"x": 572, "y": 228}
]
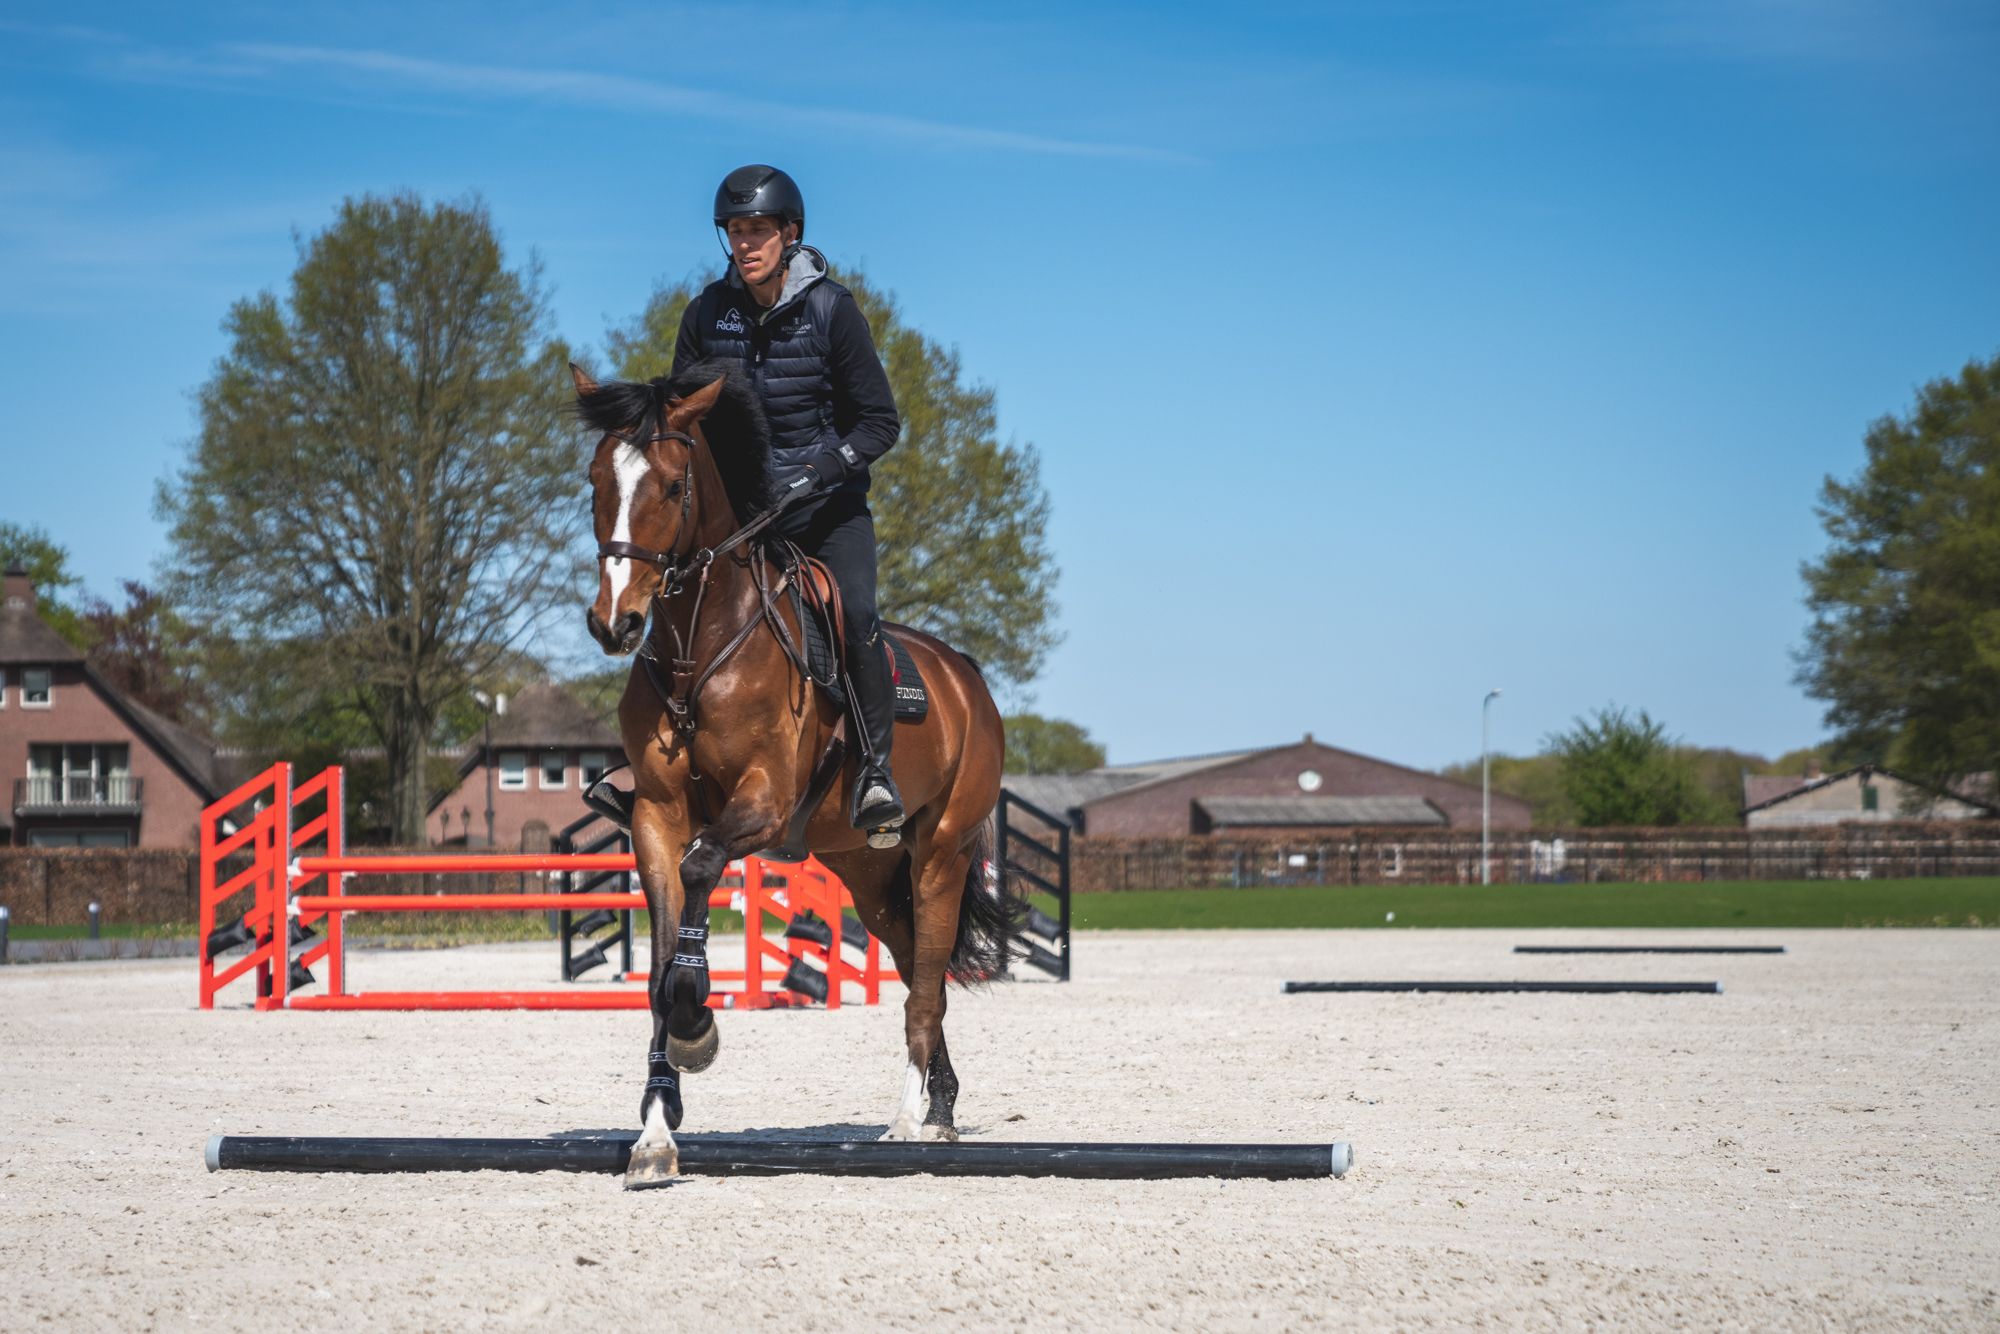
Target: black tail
[{"x": 988, "y": 917}]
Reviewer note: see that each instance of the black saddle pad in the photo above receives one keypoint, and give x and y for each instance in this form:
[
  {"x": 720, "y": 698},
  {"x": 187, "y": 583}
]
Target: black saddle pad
[{"x": 913, "y": 701}]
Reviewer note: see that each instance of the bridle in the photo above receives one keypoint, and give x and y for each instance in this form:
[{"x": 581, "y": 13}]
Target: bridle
[
  {"x": 665, "y": 561},
  {"x": 686, "y": 675}
]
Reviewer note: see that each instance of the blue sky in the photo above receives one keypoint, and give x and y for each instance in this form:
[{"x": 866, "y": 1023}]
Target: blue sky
[{"x": 1377, "y": 353}]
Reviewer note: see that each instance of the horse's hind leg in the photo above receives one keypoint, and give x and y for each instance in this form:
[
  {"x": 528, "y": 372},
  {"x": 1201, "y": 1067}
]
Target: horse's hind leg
[
  {"x": 940, "y": 866},
  {"x": 942, "y": 1081}
]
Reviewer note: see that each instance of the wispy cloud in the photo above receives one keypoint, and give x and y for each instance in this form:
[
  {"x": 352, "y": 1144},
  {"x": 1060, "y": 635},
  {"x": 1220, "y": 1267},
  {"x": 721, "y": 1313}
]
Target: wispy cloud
[{"x": 237, "y": 63}]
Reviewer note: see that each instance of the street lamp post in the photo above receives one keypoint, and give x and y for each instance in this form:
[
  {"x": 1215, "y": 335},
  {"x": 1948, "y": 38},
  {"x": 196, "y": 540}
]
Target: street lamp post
[
  {"x": 1486, "y": 789},
  {"x": 492, "y": 704}
]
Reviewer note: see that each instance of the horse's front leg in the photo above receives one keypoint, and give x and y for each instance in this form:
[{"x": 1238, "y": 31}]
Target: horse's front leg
[
  {"x": 752, "y": 819},
  {"x": 659, "y": 832}
]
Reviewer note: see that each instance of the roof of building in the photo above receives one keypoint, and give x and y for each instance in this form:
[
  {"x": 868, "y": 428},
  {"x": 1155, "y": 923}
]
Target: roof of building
[
  {"x": 1297, "y": 812},
  {"x": 1803, "y": 785},
  {"x": 25, "y": 637},
  {"x": 1060, "y": 794},
  {"x": 193, "y": 754},
  {"x": 1148, "y": 770},
  {"x": 1760, "y": 789},
  {"x": 548, "y": 715}
]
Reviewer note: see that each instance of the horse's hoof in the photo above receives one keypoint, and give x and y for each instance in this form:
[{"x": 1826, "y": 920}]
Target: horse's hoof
[
  {"x": 946, "y": 1134},
  {"x": 652, "y": 1167},
  {"x": 693, "y": 1055},
  {"x": 900, "y": 1133}
]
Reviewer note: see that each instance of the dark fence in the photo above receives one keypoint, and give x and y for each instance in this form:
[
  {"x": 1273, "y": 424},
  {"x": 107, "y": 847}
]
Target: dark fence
[{"x": 1451, "y": 856}]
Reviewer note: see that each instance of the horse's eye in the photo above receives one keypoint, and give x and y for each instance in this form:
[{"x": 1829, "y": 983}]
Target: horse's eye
[{"x": 674, "y": 491}]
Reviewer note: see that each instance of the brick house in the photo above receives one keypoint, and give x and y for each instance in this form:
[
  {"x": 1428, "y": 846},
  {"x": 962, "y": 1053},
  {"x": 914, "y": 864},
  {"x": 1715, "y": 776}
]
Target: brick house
[
  {"x": 1305, "y": 786},
  {"x": 89, "y": 767},
  {"x": 546, "y": 749}
]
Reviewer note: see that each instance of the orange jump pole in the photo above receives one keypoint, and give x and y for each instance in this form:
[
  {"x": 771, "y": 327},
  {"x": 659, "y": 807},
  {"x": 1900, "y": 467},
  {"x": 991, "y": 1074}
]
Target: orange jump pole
[
  {"x": 462, "y": 864},
  {"x": 318, "y": 903}
]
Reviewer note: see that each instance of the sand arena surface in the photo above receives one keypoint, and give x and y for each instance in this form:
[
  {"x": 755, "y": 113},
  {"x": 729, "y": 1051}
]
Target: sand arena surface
[{"x": 1819, "y": 1145}]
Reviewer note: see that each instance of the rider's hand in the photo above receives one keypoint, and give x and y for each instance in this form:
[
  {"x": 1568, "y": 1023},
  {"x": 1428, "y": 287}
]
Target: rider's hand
[
  {"x": 795, "y": 483},
  {"x": 834, "y": 465}
]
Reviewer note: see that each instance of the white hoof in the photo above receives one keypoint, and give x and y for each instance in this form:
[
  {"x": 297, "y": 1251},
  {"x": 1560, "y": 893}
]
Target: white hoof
[{"x": 903, "y": 1125}]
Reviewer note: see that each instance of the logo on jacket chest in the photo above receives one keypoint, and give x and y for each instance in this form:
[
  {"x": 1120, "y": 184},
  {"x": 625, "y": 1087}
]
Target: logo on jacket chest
[{"x": 730, "y": 323}]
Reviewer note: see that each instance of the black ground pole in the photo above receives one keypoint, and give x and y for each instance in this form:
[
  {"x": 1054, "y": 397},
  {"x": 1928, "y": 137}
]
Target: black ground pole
[
  {"x": 1586, "y": 988},
  {"x": 705, "y": 1155},
  {"x": 1649, "y": 949}
]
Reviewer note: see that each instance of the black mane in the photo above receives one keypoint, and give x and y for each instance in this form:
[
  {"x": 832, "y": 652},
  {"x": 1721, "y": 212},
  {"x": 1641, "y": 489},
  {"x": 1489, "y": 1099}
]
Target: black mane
[{"x": 738, "y": 438}]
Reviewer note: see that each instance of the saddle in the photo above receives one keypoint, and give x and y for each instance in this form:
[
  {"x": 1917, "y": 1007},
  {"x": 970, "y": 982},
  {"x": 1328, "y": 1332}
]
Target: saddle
[{"x": 823, "y": 624}]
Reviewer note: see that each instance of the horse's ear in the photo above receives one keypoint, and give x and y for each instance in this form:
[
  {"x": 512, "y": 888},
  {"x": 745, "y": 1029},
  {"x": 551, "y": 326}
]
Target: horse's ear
[
  {"x": 584, "y": 384},
  {"x": 696, "y": 405}
]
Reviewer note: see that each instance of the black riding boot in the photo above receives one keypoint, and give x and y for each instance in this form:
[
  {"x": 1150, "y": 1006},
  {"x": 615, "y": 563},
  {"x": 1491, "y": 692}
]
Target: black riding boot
[{"x": 877, "y": 807}]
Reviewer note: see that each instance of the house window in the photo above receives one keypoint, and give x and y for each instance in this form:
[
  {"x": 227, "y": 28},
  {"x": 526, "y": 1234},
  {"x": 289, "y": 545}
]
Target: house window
[
  {"x": 1871, "y": 797},
  {"x": 513, "y": 771},
  {"x": 554, "y": 775},
  {"x": 1392, "y": 860},
  {"x": 36, "y": 687},
  {"x": 592, "y": 764},
  {"x": 80, "y": 775},
  {"x": 3, "y": 687}
]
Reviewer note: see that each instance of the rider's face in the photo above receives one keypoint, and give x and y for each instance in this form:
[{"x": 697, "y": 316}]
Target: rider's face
[{"x": 757, "y": 245}]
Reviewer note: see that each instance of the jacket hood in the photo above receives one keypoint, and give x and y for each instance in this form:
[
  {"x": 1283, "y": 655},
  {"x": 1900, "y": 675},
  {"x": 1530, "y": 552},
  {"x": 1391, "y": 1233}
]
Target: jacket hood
[{"x": 806, "y": 268}]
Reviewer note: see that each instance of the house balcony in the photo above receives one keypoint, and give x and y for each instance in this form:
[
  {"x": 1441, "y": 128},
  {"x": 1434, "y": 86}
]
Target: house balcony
[{"x": 119, "y": 794}]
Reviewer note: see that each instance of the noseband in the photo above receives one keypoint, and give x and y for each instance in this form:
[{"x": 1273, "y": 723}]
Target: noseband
[{"x": 664, "y": 561}]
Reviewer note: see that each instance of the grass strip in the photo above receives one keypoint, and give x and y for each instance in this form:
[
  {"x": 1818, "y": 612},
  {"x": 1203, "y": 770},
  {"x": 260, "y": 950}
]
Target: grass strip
[{"x": 1763, "y": 904}]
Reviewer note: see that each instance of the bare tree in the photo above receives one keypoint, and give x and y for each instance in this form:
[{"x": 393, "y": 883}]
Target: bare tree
[{"x": 385, "y": 484}]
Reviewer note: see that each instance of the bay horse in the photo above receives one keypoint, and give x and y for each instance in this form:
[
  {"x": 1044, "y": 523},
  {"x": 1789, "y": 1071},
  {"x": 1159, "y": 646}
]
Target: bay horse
[{"x": 731, "y": 741}]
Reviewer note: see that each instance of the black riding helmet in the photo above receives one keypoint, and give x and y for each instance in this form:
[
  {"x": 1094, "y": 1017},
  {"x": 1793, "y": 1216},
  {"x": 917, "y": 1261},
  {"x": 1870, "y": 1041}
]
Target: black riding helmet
[{"x": 758, "y": 191}]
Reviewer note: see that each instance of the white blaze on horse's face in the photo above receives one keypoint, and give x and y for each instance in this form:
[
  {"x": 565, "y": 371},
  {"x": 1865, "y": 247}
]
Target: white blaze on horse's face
[
  {"x": 627, "y": 507},
  {"x": 629, "y": 466}
]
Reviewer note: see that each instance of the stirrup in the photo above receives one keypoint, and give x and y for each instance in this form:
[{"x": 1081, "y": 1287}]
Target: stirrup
[
  {"x": 613, "y": 803},
  {"x": 882, "y": 817}
]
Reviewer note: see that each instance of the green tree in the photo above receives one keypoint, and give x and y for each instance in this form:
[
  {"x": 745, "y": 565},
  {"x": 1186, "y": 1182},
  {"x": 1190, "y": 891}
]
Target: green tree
[
  {"x": 1038, "y": 745},
  {"x": 385, "y": 491},
  {"x": 1904, "y": 645},
  {"x": 30, "y": 547},
  {"x": 1623, "y": 769},
  {"x": 960, "y": 517},
  {"x": 1535, "y": 779}
]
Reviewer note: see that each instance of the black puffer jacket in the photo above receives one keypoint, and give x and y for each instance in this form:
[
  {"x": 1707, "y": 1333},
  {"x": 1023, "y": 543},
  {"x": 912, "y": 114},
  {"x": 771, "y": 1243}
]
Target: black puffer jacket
[{"x": 813, "y": 362}]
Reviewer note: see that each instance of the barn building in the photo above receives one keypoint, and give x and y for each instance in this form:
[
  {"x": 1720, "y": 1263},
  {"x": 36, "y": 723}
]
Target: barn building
[
  {"x": 91, "y": 768},
  {"x": 1866, "y": 793},
  {"x": 1303, "y": 787}
]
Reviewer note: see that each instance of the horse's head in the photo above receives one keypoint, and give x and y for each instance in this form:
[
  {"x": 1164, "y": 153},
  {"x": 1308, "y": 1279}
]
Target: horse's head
[{"x": 644, "y": 506}]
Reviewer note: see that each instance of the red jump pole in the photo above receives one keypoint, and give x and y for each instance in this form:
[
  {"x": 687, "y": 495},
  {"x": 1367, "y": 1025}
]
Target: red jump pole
[
  {"x": 478, "y": 864},
  {"x": 344, "y": 903}
]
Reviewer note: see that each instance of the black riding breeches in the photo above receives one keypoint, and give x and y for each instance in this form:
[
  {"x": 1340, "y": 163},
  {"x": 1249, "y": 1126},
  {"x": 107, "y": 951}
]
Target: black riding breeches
[{"x": 840, "y": 531}]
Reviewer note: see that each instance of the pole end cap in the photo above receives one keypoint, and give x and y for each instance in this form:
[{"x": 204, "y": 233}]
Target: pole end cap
[
  {"x": 1343, "y": 1157},
  {"x": 212, "y": 1155}
]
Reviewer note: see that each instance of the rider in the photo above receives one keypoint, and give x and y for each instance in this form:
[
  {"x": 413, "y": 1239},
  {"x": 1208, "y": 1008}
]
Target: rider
[{"x": 806, "y": 347}]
